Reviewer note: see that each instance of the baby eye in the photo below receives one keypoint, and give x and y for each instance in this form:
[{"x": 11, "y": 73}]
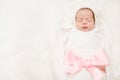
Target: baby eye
[
  {"x": 80, "y": 20},
  {"x": 89, "y": 20}
]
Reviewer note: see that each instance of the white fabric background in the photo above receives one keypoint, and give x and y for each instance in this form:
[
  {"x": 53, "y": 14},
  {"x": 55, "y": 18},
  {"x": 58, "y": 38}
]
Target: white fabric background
[{"x": 26, "y": 27}]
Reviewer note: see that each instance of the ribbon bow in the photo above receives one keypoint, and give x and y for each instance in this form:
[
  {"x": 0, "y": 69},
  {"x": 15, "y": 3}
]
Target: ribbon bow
[{"x": 75, "y": 63}]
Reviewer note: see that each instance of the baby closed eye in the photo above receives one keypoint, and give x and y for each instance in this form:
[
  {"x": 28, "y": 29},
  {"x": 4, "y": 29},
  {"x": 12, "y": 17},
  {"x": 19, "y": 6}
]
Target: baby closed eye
[{"x": 86, "y": 20}]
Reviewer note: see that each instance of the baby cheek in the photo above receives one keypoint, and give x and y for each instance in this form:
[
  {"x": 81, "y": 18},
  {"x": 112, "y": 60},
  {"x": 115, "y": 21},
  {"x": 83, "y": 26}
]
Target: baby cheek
[
  {"x": 91, "y": 23},
  {"x": 91, "y": 26},
  {"x": 79, "y": 25}
]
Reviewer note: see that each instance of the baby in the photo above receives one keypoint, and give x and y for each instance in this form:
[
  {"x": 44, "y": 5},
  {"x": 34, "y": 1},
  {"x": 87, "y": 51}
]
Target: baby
[
  {"x": 85, "y": 57},
  {"x": 85, "y": 19}
]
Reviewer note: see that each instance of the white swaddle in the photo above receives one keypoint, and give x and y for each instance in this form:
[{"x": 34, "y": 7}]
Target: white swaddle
[{"x": 85, "y": 43}]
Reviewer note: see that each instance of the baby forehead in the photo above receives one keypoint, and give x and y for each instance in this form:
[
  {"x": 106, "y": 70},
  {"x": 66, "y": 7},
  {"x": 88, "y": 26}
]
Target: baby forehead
[{"x": 84, "y": 12}]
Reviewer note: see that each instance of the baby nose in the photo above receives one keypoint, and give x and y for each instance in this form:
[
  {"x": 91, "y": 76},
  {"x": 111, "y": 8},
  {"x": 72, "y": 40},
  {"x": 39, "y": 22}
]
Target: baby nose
[{"x": 84, "y": 22}]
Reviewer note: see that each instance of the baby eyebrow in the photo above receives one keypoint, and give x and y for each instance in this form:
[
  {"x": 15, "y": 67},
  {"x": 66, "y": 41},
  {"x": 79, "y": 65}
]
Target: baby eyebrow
[
  {"x": 88, "y": 19},
  {"x": 84, "y": 18},
  {"x": 80, "y": 19}
]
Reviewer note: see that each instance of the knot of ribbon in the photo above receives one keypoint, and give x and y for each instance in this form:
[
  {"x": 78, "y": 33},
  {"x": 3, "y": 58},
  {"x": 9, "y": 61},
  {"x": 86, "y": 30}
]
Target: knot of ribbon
[{"x": 75, "y": 63}]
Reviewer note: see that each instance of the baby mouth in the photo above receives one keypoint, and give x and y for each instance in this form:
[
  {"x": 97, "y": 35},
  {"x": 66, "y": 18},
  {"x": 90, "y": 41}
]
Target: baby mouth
[{"x": 85, "y": 27}]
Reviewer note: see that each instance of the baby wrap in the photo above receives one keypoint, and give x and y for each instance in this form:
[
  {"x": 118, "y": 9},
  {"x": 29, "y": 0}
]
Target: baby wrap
[{"x": 84, "y": 50}]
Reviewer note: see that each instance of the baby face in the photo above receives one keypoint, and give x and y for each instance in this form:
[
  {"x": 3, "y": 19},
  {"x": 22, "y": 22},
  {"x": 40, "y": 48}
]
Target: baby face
[{"x": 85, "y": 20}]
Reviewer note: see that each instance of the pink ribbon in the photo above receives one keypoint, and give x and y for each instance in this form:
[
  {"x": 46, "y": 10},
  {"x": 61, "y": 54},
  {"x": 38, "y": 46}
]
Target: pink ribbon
[{"x": 75, "y": 63}]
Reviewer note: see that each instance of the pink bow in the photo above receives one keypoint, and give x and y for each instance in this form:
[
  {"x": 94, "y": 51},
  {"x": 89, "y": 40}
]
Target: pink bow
[{"x": 75, "y": 63}]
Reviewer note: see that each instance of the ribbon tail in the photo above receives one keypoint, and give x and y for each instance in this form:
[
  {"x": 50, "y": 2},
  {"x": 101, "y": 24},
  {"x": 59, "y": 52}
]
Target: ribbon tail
[
  {"x": 96, "y": 73},
  {"x": 72, "y": 63}
]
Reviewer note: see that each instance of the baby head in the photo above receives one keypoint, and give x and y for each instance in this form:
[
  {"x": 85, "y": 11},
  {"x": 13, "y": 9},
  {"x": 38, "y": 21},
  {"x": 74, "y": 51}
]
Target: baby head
[{"x": 85, "y": 19}]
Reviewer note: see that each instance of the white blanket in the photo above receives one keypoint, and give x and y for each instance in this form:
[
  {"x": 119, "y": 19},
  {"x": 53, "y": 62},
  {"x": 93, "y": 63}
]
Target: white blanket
[{"x": 27, "y": 30}]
